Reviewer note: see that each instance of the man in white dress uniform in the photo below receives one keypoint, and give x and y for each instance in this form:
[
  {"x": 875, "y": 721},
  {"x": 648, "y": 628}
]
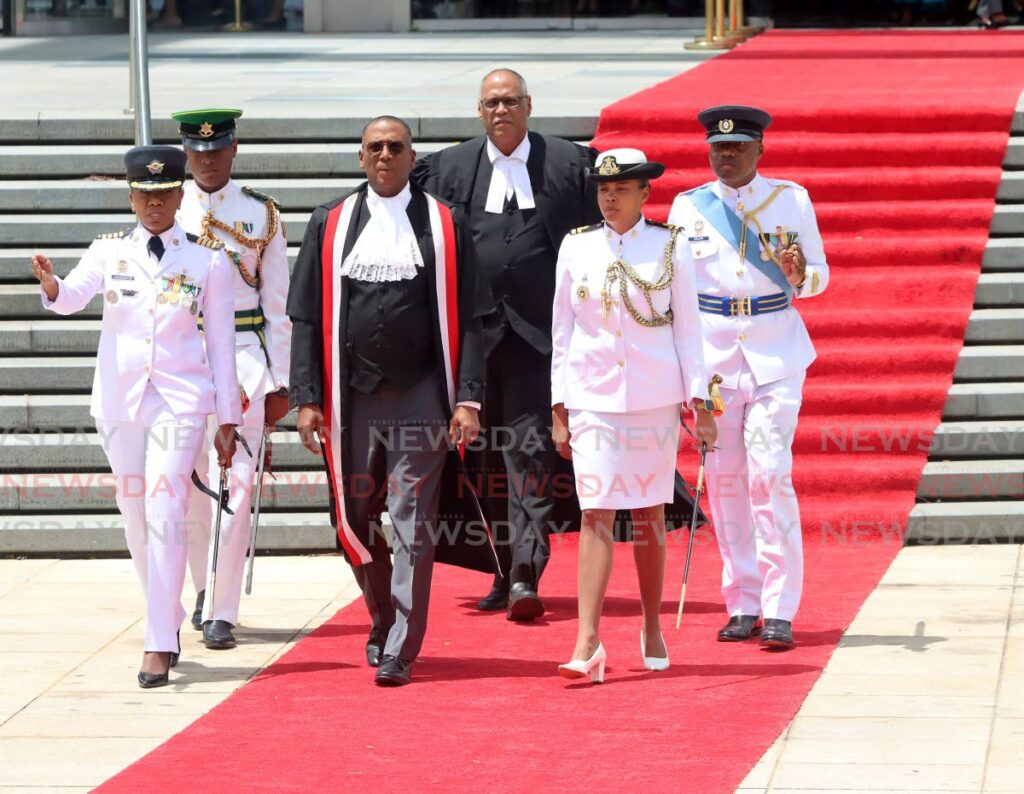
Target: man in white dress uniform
[
  {"x": 756, "y": 248},
  {"x": 248, "y": 224},
  {"x": 155, "y": 380}
]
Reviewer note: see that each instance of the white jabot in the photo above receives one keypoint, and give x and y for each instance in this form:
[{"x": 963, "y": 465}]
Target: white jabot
[
  {"x": 387, "y": 249},
  {"x": 509, "y": 177}
]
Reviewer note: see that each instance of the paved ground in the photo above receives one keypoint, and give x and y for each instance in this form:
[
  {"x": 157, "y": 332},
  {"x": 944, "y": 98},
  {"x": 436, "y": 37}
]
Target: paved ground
[
  {"x": 925, "y": 693},
  {"x": 283, "y": 75}
]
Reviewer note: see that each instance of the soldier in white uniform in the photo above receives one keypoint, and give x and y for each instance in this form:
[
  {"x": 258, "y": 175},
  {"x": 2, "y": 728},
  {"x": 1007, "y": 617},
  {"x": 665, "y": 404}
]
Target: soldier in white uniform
[
  {"x": 756, "y": 247},
  {"x": 249, "y": 226},
  {"x": 155, "y": 381},
  {"x": 627, "y": 357}
]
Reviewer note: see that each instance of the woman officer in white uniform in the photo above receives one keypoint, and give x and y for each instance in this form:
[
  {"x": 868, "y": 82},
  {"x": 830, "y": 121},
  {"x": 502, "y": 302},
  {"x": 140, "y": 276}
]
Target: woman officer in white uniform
[
  {"x": 154, "y": 383},
  {"x": 627, "y": 357}
]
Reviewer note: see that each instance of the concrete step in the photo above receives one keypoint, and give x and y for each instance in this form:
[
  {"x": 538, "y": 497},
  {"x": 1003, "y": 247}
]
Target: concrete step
[
  {"x": 61, "y": 161},
  {"x": 111, "y": 195},
  {"x": 22, "y": 300},
  {"x": 967, "y": 401},
  {"x": 966, "y": 522},
  {"x": 1003, "y": 253},
  {"x": 990, "y": 363},
  {"x": 80, "y": 491},
  {"x": 44, "y": 411},
  {"x": 978, "y": 439},
  {"x": 999, "y": 290},
  {"x": 77, "y": 451},
  {"x": 43, "y": 230},
  {"x": 1011, "y": 186},
  {"x": 1007, "y": 220},
  {"x": 995, "y": 326},
  {"x": 972, "y": 480},
  {"x": 54, "y": 128},
  {"x": 1014, "y": 153},
  {"x": 49, "y": 534}
]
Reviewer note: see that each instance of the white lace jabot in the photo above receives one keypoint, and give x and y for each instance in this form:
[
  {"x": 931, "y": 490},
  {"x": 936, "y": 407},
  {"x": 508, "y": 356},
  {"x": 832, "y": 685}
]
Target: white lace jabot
[{"x": 387, "y": 249}]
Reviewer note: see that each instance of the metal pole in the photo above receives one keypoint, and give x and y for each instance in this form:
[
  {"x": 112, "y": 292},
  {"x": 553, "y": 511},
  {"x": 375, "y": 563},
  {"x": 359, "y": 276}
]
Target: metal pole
[
  {"x": 139, "y": 63},
  {"x": 709, "y": 42}
]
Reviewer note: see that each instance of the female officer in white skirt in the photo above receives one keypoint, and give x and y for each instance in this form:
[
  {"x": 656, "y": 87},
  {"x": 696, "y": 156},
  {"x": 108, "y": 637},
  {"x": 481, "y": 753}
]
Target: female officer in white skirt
[
  {"x": 627, "y": 357},
  {"x": 153, "y": 385}
]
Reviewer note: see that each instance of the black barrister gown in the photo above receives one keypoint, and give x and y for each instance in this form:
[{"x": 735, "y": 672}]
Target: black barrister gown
[{"x": 315, "y": 379}]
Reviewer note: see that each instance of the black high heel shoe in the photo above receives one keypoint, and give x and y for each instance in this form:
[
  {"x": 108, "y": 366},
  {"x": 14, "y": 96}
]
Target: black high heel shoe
[{"x": 153, "y": 680}]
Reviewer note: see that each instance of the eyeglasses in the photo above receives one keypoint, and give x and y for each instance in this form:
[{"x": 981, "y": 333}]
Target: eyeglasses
[
  {"x": 510, "y": 102},
  {"x": 376, "y": 147}
]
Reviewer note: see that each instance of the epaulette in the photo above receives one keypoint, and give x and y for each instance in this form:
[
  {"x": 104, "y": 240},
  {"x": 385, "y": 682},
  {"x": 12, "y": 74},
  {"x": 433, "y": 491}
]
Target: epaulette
[
  {"x": 670, "y": 226},
  {"x": 116, "y": 235},
  {"x": 251, "y": 191},
  {"x": 590, "y": 228}
]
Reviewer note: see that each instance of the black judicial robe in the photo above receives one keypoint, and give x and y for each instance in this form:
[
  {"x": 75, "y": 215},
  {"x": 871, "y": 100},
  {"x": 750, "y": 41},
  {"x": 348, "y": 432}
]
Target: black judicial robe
[{"x": 317, "y": 306}]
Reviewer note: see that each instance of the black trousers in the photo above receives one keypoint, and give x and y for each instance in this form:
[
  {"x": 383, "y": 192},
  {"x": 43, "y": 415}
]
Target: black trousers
[{"x": 514, "y": 463}]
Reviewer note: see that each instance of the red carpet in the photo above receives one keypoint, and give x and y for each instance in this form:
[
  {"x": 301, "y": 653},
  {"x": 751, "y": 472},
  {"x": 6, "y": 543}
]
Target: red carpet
[{"x": 899, "y": 137}]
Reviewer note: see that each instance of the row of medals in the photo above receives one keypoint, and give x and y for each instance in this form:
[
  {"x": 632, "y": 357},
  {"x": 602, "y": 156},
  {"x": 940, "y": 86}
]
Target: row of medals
[{"x": 185, "y": 294}]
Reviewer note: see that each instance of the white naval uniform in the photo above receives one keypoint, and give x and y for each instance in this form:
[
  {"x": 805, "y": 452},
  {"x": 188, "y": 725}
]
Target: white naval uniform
[
  {"x": 155, "y": 383},
  {"x": 762, "y": 360},
  {"x": 622, "y": 383},
  {"x": 232, "y": 206}
]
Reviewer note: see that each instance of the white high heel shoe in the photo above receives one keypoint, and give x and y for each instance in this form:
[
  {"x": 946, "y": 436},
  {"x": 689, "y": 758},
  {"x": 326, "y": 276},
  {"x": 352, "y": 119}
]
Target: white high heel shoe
[
  {"x": 655, "y": 663},
  {"x": 593, "y": 667}
]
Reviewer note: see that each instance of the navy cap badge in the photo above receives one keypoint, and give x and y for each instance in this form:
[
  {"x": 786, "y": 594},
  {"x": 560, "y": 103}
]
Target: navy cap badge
[
  {"x": 609, "y": 167},
  {"x": 726, "y": 126},
  {"x": 206, "y": 129},
  {"x": 155, "y": 167}
]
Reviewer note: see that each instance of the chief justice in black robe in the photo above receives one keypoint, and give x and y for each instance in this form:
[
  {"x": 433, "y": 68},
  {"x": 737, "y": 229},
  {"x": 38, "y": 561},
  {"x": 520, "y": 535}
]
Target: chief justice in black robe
[{"x": 387, "y": 371}]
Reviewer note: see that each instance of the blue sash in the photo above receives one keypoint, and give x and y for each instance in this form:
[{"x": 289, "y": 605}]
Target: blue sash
[{"x": 728, "y": 225}]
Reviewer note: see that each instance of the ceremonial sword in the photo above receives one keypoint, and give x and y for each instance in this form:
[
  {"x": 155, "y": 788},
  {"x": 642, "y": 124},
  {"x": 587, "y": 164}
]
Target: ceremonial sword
[
  {"x": 693, "y": 527},
  {"x": 260, "y": 466}
]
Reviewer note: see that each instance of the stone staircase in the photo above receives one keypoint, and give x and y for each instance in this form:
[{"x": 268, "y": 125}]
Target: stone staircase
[{"x": 61, "y": 186}]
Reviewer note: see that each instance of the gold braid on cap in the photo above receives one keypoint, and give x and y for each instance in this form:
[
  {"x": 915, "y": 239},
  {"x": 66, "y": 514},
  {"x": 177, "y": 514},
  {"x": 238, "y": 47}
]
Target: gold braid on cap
[
  {"x": 256, "y": 243},
  {"x": 621, "y": 271}
]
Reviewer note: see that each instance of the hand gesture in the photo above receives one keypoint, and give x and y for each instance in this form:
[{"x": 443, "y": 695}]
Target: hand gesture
[
  {"x": 311, "y": 427},
  {"x": 42, "y": 269},
  {"x": 793, "y": 264}
]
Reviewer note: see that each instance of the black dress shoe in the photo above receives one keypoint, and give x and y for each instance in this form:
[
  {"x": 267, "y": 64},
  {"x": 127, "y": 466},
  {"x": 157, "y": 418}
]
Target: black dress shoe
[
  {"x": 153, "y": 680},
  {"x": 523, "y": 603},
  {"x": 217, "y": 635},
  {"x": 393, "y": 671},
  {"x": 738, "y": 629},
  {"x": 497, "y": 599},
  {"x": 777, "y": 635},
  {"x": 197, "y": 615},
  {"x": 375, "y": 648}
]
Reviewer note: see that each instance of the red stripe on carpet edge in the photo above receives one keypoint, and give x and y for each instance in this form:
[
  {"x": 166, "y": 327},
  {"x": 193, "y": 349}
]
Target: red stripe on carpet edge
[{"x": 487, "y": 712}]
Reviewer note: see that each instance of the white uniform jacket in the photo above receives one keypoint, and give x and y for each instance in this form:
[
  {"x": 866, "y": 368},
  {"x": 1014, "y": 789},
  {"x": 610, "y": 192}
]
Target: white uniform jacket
[
  {"x": 618, "y": 365},
  {"x": 249, "y": 216},
  {"x": 149, "y": 331},
  {"x": 774, "y": 345}
]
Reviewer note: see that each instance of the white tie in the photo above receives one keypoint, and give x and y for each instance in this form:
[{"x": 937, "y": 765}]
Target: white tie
[{"x": 509, "y": 178}]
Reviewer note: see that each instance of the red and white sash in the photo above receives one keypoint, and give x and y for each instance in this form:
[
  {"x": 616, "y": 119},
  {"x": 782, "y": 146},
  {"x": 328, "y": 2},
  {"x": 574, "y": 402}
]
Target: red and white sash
[{"x": 339, "y": 223}]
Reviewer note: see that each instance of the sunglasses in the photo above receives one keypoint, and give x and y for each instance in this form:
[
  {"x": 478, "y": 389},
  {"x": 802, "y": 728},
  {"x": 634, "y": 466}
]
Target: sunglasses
[
  {"x": 376, "y": 147},
  {"x": 510, "y": 102}
]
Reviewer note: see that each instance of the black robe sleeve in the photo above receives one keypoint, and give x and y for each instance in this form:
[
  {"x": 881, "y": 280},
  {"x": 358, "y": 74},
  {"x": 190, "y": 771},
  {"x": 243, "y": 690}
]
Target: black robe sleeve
[
  {"x": 305, "y": 308},
  {"x": 424, "y": 173},
  {"x": 474, "y": 303}
]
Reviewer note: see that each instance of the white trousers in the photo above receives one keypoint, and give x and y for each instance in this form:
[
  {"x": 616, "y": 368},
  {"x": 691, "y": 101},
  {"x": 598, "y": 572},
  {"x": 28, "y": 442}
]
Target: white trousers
[
  {"x": 753, "y": 504},
  {"x": 152, "y": 460},
  {"x": 234, "y": 529}
]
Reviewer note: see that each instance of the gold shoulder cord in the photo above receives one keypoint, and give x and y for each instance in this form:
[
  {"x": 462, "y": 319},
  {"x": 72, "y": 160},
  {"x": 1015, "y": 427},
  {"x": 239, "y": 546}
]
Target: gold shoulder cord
[
  {"x": 620, "y": 270},
  {"x": 766, "y": 247},
  {"x": 253, "y": 280}
]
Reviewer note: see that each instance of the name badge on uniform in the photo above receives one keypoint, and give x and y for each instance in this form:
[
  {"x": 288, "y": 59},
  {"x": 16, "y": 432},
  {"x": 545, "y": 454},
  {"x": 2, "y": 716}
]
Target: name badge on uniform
[
  {"x": 122, "y": 277},
  {"x": 698, "y": 239}
]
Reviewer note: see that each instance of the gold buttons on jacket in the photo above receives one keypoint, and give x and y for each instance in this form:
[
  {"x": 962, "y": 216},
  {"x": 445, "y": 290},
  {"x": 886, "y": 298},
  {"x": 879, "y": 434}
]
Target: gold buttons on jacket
[
  {"x": 618, "y": 333},
  {"x": 741, "y": 337},
  {"x": 740, "y": 272},
  {"x": 149, "y": 341},
  {"x": 622, "y": 363}
]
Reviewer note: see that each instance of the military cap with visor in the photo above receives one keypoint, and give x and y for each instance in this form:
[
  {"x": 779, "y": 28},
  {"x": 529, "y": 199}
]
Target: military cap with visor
[
  {"x": 153, "y": 168},
  {"x": 207, "y": 130},
  {"x": 735, "y": 123}
]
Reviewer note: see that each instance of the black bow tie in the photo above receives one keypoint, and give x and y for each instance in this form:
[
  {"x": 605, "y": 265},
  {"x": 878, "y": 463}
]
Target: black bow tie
[{"x": 156, "y": 246}]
